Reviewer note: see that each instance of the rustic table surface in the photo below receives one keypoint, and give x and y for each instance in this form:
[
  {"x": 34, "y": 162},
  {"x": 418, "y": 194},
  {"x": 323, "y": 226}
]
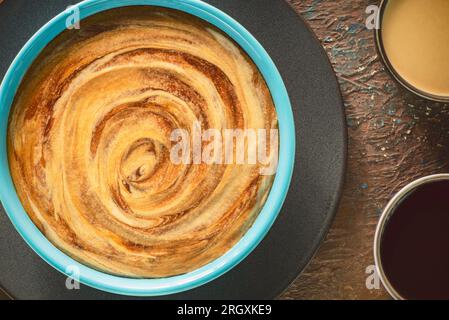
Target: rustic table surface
[{"x": 394, "y": 138}]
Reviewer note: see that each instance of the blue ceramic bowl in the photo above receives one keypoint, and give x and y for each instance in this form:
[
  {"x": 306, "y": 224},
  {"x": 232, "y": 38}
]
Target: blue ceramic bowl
[{"x": 149, "y": 287}]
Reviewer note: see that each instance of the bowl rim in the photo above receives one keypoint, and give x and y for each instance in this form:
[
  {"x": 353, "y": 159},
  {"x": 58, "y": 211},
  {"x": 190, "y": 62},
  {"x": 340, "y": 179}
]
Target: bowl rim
[{"x": 162, "y": 286}]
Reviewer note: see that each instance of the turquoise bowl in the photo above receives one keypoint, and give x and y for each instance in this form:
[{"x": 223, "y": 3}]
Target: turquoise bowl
[{"x": 165, "y": 286}]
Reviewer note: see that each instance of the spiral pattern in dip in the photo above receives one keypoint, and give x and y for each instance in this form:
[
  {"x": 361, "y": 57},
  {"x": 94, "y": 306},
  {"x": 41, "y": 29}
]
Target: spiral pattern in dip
[{"x": 89, "y": 142}]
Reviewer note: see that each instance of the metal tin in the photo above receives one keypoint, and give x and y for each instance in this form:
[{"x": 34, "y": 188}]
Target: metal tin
[
  {"x": 387, "y": 213},
  {"x": 381, "y": 50}
]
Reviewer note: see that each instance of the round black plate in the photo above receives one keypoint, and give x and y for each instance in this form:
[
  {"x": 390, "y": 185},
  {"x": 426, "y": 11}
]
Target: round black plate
[{"x": 317, "y": 181}]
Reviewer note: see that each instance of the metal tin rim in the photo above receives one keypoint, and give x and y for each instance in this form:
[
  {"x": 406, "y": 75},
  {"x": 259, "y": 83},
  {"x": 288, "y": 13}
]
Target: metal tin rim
[
  {"x": 381, "y": 50},
  {"x": 388, "y": 211}
]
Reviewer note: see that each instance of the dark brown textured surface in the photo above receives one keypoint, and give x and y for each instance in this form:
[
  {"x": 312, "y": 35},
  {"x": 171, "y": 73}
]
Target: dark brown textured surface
[{"x": 394, "y": 138}]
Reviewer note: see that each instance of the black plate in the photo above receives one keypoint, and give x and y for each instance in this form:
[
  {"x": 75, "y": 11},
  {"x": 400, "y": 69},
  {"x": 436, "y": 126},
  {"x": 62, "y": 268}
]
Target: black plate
[{"x": 317, "y": 181}]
